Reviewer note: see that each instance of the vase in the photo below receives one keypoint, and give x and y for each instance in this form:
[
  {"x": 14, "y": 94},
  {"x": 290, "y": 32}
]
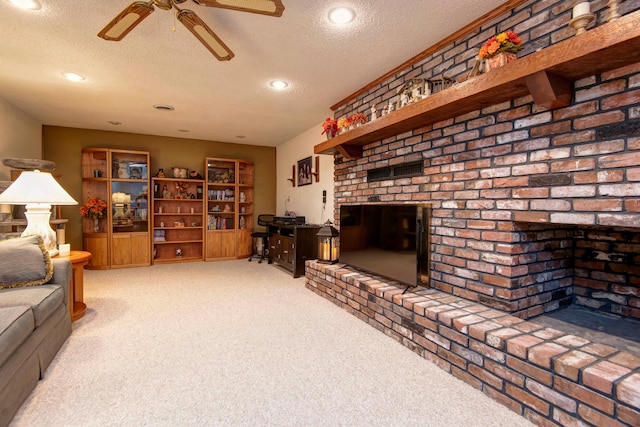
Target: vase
[
  {"x": 96, "y": 225},
  {"x": 501, "y": 59}
]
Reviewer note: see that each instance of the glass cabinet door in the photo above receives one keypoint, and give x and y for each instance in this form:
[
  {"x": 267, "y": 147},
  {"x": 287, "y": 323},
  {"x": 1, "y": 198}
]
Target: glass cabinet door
[
  {"x": 129, "y": 206},
  {"x": 129, "y": 198}
]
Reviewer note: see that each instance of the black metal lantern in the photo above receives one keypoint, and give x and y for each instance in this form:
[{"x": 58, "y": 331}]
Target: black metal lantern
[{"x": 328, "y": 244}]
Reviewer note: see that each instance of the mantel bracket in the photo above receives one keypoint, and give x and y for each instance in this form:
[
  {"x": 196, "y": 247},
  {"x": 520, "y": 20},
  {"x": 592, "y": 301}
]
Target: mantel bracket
[
  {"x": 350, "y": 151},
  {"x": 549, "y": 90}
]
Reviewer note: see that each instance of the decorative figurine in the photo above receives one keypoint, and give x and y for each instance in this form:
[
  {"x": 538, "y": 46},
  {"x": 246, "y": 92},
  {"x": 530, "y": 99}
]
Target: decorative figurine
[
  {"x": 194, "y": 175},
  {"x": 179, "y": 253},
  {"x": 373, "y": 112},
  {"x": 404, "y": 99},
  {"x": 160, "y": 173}
]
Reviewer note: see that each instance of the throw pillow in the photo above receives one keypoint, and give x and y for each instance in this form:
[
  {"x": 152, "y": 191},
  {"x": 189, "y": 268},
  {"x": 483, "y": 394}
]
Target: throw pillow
[{"x": 24, "y": 262}]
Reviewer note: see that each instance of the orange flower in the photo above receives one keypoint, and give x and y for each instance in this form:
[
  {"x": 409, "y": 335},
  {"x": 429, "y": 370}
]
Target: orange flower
[
  {"x": 358, "y": 118},
  {"x": 503, "y": 42},
  {"x": 493, "y": 47},
  {"x": 94, "y": 208},
  {"x": 330, "y": 126}
]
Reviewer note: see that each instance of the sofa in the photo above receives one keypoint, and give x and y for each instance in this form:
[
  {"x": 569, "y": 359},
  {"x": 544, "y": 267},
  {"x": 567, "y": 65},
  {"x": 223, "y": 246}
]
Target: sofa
[{"x": 34, "y": 317}]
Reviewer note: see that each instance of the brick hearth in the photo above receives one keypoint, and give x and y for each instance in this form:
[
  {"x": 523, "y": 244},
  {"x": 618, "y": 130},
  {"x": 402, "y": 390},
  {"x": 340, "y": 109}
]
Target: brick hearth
[{"x": 541, "y": 373}]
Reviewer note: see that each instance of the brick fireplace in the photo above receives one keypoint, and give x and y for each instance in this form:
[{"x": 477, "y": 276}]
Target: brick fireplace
[{"x": 534, "y": 209}]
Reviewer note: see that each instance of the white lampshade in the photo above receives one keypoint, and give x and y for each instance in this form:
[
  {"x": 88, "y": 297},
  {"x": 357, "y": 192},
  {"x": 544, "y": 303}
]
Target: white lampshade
[
  {"x": 120, "y": 198},
  {"x": 36, "y": 187},
  {"x": 38, "y": 191}
]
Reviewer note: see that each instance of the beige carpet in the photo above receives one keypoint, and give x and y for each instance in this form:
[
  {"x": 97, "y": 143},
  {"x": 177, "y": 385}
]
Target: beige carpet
[{"x": 238, "y": 344}]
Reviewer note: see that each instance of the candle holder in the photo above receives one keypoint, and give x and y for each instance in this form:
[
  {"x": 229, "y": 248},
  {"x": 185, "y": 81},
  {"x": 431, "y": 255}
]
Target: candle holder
[
  {"x": 613, "y": 10},
  {"x": 292, "y": 178},
  {"x": 580, "y": 23}
]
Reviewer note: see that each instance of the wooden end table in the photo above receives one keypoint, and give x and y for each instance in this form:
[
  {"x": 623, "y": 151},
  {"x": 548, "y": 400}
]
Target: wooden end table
[{"x": 76, "y": 305}]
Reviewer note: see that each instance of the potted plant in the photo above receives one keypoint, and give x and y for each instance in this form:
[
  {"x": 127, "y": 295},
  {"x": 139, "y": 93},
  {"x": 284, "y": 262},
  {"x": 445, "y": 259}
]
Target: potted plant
[
  {"x": 330, "y": 127},
  {"x": 501, "y": 49},
  {"x": 95, "y": 209},
  {"x": 344, "y": 123},
  {"x": 358, "y": 119}
]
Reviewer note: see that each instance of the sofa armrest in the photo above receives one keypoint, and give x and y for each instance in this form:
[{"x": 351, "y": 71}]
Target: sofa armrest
[{"x": 62, "y": 274}]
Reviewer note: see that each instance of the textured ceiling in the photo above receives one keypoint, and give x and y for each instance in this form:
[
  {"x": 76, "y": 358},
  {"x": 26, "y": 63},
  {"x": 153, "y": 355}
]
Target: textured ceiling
[{"x": 213, "y": 100}]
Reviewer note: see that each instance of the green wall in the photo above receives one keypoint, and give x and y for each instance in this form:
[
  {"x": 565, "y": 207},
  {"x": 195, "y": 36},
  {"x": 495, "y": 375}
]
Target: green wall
[{"x": 64, "y": 147}]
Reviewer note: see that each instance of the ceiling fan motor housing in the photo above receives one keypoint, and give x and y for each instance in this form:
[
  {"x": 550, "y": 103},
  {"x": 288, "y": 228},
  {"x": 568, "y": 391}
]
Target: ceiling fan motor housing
[{"x": 163, "y": 4}]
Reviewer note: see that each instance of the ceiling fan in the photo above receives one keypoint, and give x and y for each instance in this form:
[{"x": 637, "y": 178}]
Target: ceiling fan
[{"x": 126, "y": 21}]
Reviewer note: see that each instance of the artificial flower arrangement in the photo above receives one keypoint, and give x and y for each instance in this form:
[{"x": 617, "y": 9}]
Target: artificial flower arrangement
[
  {"x": 330, "y": 127},
  {"x": 94, "y": 208},
  {"x": 503, "y": 42},
  {"x": 358, "y": 118},
  {"x": 344, "y": 123}
]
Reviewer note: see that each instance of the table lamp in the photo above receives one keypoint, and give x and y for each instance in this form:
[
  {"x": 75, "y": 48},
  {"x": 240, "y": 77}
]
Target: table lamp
[
  {"x": 38, "y": 191},
  {"x": 120, "y": 200}
]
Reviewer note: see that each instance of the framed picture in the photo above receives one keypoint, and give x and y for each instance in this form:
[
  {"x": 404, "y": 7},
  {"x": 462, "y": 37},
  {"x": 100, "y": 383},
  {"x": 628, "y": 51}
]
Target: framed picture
[
  {"x": 137, "y": 170},
  {"x": 304, "y": 172}
]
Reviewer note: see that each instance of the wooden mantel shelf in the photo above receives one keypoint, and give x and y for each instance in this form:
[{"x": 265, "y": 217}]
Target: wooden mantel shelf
[{"x": 547, "y": 75}]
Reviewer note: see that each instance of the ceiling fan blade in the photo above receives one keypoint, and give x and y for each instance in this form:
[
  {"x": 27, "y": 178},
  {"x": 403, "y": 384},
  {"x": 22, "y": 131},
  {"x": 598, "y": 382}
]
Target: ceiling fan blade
[
  {"x": 205, "y": 35},
  {"x": 126, "y": 21},
  {"x": 264, "y": 7}
]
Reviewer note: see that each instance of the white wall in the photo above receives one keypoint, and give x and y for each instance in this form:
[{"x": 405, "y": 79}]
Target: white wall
[
  {"x": 306, "y": 200},
  {"x": 20, "y": 136}
]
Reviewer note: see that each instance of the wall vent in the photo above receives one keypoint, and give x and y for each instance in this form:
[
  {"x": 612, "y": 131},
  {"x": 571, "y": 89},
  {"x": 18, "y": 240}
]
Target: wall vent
[{"x": 398, "y": 171}]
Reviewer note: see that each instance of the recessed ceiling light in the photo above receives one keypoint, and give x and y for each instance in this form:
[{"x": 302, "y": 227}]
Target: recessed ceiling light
[
  {"x": 184, "y": 130},
  {"x": 73, "y": 77},
  {"x": 114, "y": 122},
  {"x": 26, "y": 4},
  {"x": 341, "y": 15},
  {"x": 163, "y": 107},
  {"x": 278, "y": 84},
  {"x": 240, "y": 136}
]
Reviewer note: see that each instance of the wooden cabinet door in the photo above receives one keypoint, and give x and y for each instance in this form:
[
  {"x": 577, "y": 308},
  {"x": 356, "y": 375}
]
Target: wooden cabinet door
[
  {"x": 130, "y": 250},
  {"x": 120, "y": 249},
  {"x": 221, "y": 245},
  {"x": 228, "y": 244},
  {"x": 97, "y": 245},
  {"x": 245, "y": 241},
  {"x": 140, "y": 249},
  {"x": 288, "y": 250}
]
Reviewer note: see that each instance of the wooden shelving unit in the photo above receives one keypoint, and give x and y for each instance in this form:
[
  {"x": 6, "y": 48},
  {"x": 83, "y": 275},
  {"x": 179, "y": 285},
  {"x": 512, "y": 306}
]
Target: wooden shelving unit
[
  {"x": 122, "y": 237},
  {"x": 178, "y": 220},
  {"x": 229, "y": 207},
  {"x": 547, "y": 75}
]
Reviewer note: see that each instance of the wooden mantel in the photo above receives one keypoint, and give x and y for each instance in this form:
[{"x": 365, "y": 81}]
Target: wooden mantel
[{"x": 547, "y": 75}]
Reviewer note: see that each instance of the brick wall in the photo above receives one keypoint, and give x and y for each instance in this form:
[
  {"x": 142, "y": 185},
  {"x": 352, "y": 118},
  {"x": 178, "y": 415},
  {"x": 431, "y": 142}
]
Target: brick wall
[
  {"x": 495, "y": 175},
  {"x": 549, "y": 377}
]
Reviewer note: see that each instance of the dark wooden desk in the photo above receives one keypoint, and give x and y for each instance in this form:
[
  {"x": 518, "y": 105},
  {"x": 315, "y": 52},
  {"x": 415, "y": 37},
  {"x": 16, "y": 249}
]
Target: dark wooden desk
[{"x": 291, "y": 245}]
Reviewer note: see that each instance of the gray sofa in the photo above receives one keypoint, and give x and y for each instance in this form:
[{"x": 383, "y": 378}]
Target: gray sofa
[{"x": 34, "y": 317}]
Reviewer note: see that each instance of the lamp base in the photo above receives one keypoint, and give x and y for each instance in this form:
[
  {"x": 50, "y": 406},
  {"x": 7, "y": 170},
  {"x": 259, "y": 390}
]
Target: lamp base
[{"x": 38, "y": 215}]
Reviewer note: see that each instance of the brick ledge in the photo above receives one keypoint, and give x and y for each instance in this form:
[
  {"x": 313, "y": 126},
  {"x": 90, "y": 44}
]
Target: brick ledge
[{"x": 549, "y": 377}]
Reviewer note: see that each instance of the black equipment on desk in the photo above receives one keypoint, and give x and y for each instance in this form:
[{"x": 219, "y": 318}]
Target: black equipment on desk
[{"x": 289, "y": 220}]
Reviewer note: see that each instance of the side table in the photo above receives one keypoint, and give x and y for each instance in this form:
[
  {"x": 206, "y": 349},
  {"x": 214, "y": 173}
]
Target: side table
[{"x": 76, "y": 305}]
